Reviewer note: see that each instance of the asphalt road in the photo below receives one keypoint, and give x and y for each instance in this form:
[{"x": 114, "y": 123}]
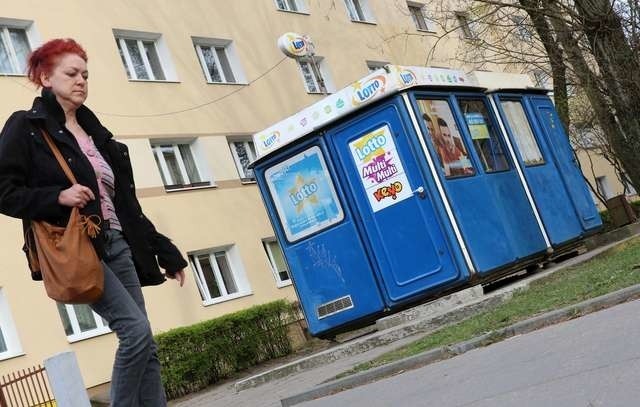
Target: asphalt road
[{"x": 591, "y": 361}]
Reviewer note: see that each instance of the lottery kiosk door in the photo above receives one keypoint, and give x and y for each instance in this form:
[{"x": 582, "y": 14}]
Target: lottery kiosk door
[
  {"x": 328, "y": 262},
  {"x": 394, "y": 201}
]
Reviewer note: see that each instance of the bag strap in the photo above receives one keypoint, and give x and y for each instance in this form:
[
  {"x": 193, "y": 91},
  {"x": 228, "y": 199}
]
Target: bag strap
[{"x": 56, "y": 152}]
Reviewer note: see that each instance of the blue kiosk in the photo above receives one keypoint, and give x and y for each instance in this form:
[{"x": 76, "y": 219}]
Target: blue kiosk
[{"x": 412, "y": 182}]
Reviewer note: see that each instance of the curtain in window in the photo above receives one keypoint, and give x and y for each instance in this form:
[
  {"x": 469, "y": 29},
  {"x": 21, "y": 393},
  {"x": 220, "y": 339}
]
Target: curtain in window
[
  {"x": 225, "y": 272},
  {"x": 136, "y": 59},
  {"x": 189, "y": 163},
  {"x": 5, "y": 61},
  {"x": 521, "y": 130},
  {"x": 154, "y": 60},
  {"x": 278, "y": 259},
  {"x": 172, "y": 164},
  {"x": 3, "y": 343},
  {"x": 209, "y": 276},
  {"x": 85, "y": 317},
  {"x": 64, "y": 316},
  {"x": 309, "y": 80},
  {"x": 243, "y": 158},
  {"x": 21, "y": 47},
  {"x": 226, "y": 67},
  {"x": 212, "y": 66}
]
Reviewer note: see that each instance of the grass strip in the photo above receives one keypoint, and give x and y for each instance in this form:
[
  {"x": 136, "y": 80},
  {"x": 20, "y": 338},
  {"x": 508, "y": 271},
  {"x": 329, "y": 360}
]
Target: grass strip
[{"x": 612, "y": 270}]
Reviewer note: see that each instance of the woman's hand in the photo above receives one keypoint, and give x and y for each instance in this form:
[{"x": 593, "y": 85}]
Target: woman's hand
[
  {"x": 179, "y": 276},
  {"x": 76, "y": 196}
]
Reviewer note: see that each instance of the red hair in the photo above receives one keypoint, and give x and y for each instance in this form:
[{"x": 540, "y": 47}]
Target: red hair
[{"x": 44, "y": 58}]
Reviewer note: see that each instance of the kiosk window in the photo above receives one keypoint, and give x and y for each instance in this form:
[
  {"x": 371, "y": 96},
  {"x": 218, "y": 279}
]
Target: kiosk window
[
  {"x": 521, "y": 130},
  {"x": 304, "y": 194},
  {"x": 446, "y": 139},
  {"x": 485, "y": 138}
]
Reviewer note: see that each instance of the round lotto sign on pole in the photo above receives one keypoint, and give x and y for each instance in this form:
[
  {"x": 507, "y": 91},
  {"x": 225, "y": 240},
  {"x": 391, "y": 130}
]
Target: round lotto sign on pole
[{"x": 295, "y": 45}]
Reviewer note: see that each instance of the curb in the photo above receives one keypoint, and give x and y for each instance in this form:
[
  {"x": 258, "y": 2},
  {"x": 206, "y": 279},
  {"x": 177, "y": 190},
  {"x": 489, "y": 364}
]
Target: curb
[{"x": 435, "y": 355}]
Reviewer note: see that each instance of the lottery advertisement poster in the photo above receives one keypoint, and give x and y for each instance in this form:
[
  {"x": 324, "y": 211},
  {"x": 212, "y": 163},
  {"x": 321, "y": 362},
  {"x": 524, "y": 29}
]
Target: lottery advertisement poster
[
  {"x": 304, "y": 194},
  {"x": 380, "y": 169}
]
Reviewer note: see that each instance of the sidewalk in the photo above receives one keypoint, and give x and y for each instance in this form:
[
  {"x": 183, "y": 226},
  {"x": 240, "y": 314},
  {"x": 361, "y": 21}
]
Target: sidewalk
[{"x": 299, "y": 380}]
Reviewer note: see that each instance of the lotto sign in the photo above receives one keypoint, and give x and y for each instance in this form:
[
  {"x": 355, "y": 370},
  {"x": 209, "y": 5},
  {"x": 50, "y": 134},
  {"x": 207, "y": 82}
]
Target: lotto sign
[{"x": 380, "y": 168}]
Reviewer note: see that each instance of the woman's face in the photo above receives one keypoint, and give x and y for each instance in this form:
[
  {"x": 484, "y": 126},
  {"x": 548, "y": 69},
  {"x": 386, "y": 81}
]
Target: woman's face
[{"x": 68, "y": 80}]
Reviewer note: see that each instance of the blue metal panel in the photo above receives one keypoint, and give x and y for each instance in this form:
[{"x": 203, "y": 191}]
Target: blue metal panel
[
  {"x": 406, "y": 237},
  {"x": 329, "y": 264},
  {"x": 495, "y": 217},
  {"x": 566, "y": 163}
]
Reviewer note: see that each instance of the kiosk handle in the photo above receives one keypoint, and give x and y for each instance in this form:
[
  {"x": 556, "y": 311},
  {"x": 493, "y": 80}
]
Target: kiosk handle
[{"x": 420, "y": 192}]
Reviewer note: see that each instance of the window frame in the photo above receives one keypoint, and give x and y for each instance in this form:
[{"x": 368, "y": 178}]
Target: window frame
[
  {"x": 250, "y": 153},
  {"x": 237, "y": 270},
  {"x": 373, "y": 66},
  {"x": 458, "y": 98},
  {"x": 301, "y": 6},
  {"x": 161, "y": 50},
  {"x": 429, "y": 139},
  {"x": 157, "y": 147},
  {"x": 9, "y": 332},
  {"x": 33, "y": 40},
  {"x": 464, "y": 24},
  {"x": 77, "y": 335},
  {"x": 365, "y": 9},
  {"x": 272, "y": 263},
  {"x": 233, "y": 62},
  {"x": 514, "y": 134},
  {"x": 419, "y": 8},
  {"x": 320, "y": 71}
]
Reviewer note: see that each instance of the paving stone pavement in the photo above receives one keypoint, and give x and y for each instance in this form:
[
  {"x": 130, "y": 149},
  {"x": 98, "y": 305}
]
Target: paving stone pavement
[{"x": 270, "y": 394}]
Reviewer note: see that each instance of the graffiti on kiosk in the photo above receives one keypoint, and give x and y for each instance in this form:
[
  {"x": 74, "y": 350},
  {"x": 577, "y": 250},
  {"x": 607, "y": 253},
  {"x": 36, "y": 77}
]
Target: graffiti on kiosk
[{"x": 388, "y": 191}]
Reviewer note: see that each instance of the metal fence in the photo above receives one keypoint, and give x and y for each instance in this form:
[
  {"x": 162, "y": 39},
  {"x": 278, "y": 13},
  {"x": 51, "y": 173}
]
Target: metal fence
[{"x": 29, "y": 388}]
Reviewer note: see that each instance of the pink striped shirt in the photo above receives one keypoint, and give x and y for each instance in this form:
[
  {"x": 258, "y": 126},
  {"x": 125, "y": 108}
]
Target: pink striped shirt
[{"x": 106, "y": 181}]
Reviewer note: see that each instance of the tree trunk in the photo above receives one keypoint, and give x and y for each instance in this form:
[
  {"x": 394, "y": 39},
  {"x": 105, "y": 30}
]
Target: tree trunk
[{"x": 621, "y": 71}]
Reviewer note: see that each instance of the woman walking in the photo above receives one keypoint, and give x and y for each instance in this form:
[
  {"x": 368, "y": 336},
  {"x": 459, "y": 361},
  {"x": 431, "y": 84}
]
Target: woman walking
[{"x": 33, "y": 187}]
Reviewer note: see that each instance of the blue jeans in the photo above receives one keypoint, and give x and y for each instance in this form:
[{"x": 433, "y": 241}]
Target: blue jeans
[{"x": 136, "y": 371}]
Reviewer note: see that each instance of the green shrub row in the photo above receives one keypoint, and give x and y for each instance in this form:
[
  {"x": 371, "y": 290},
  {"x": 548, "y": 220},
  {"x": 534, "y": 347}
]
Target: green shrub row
[{"x": 199, "y": 355}]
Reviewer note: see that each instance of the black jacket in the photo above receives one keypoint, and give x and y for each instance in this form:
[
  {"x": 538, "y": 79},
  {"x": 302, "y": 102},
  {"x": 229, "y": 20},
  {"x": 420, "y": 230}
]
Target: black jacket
[{"x": 31, "y": 180}]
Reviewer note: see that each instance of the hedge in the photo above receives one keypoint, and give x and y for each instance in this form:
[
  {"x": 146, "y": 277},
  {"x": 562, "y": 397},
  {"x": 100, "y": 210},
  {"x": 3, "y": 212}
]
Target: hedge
[
  {"x": 199, "y": 355},
  {"x": 606, "y": 217}
]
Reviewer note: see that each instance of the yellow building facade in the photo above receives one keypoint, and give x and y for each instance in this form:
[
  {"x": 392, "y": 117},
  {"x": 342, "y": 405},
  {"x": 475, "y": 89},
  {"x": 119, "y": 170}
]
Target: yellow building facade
[{"x": 185, "y": 85}]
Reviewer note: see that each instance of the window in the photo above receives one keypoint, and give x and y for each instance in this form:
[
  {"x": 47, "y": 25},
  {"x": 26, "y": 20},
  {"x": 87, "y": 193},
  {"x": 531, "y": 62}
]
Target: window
[
  {"x": 465, "y": 26},
  {"x": 291, "y": 5},
  {"x": 14, "y": 49},
  {"x": 628, "y": 188},
  {"x": 540, "y": 78},
  {"x": 178, "y": 166},
  {"x": 419, "y": 19},
  {"x": 315, "y": 75},
  {"x": 144, "y": 56},
  {"x": 218, "y": 60},
  {"x": 278, "y": 264},
  {"x": 9, "y": 343},
  {"x": 445, "y": 138},
  {"x": 375, "y": 65},
  {"x": 244, "y": 153},
  {"x": 219, "y": 275},
  {"x": 359, "y": 10},
  {"x": 522, "y": 133},
  {"x": 80, "y": 322},
  {"x": 604, "y": 189},
  {"x": 522, "y": 30},
  {"x": 485, "y": 139}
]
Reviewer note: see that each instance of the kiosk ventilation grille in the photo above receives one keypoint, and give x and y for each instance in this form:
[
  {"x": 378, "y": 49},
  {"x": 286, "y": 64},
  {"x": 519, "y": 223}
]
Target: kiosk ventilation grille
[{"x": 335, "y": 306}]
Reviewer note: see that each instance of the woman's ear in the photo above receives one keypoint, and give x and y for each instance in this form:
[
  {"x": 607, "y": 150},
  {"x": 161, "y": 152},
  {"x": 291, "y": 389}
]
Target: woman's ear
[{"x": 44, "y": 80}]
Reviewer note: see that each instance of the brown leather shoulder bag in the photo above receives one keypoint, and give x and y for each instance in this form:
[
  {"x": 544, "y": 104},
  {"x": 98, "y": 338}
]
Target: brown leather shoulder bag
[{"x": 71, "y": 270}]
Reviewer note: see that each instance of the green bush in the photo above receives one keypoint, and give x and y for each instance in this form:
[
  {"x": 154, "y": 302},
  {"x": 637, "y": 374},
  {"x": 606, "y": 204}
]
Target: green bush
[{"x": 199, "y": 355}]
